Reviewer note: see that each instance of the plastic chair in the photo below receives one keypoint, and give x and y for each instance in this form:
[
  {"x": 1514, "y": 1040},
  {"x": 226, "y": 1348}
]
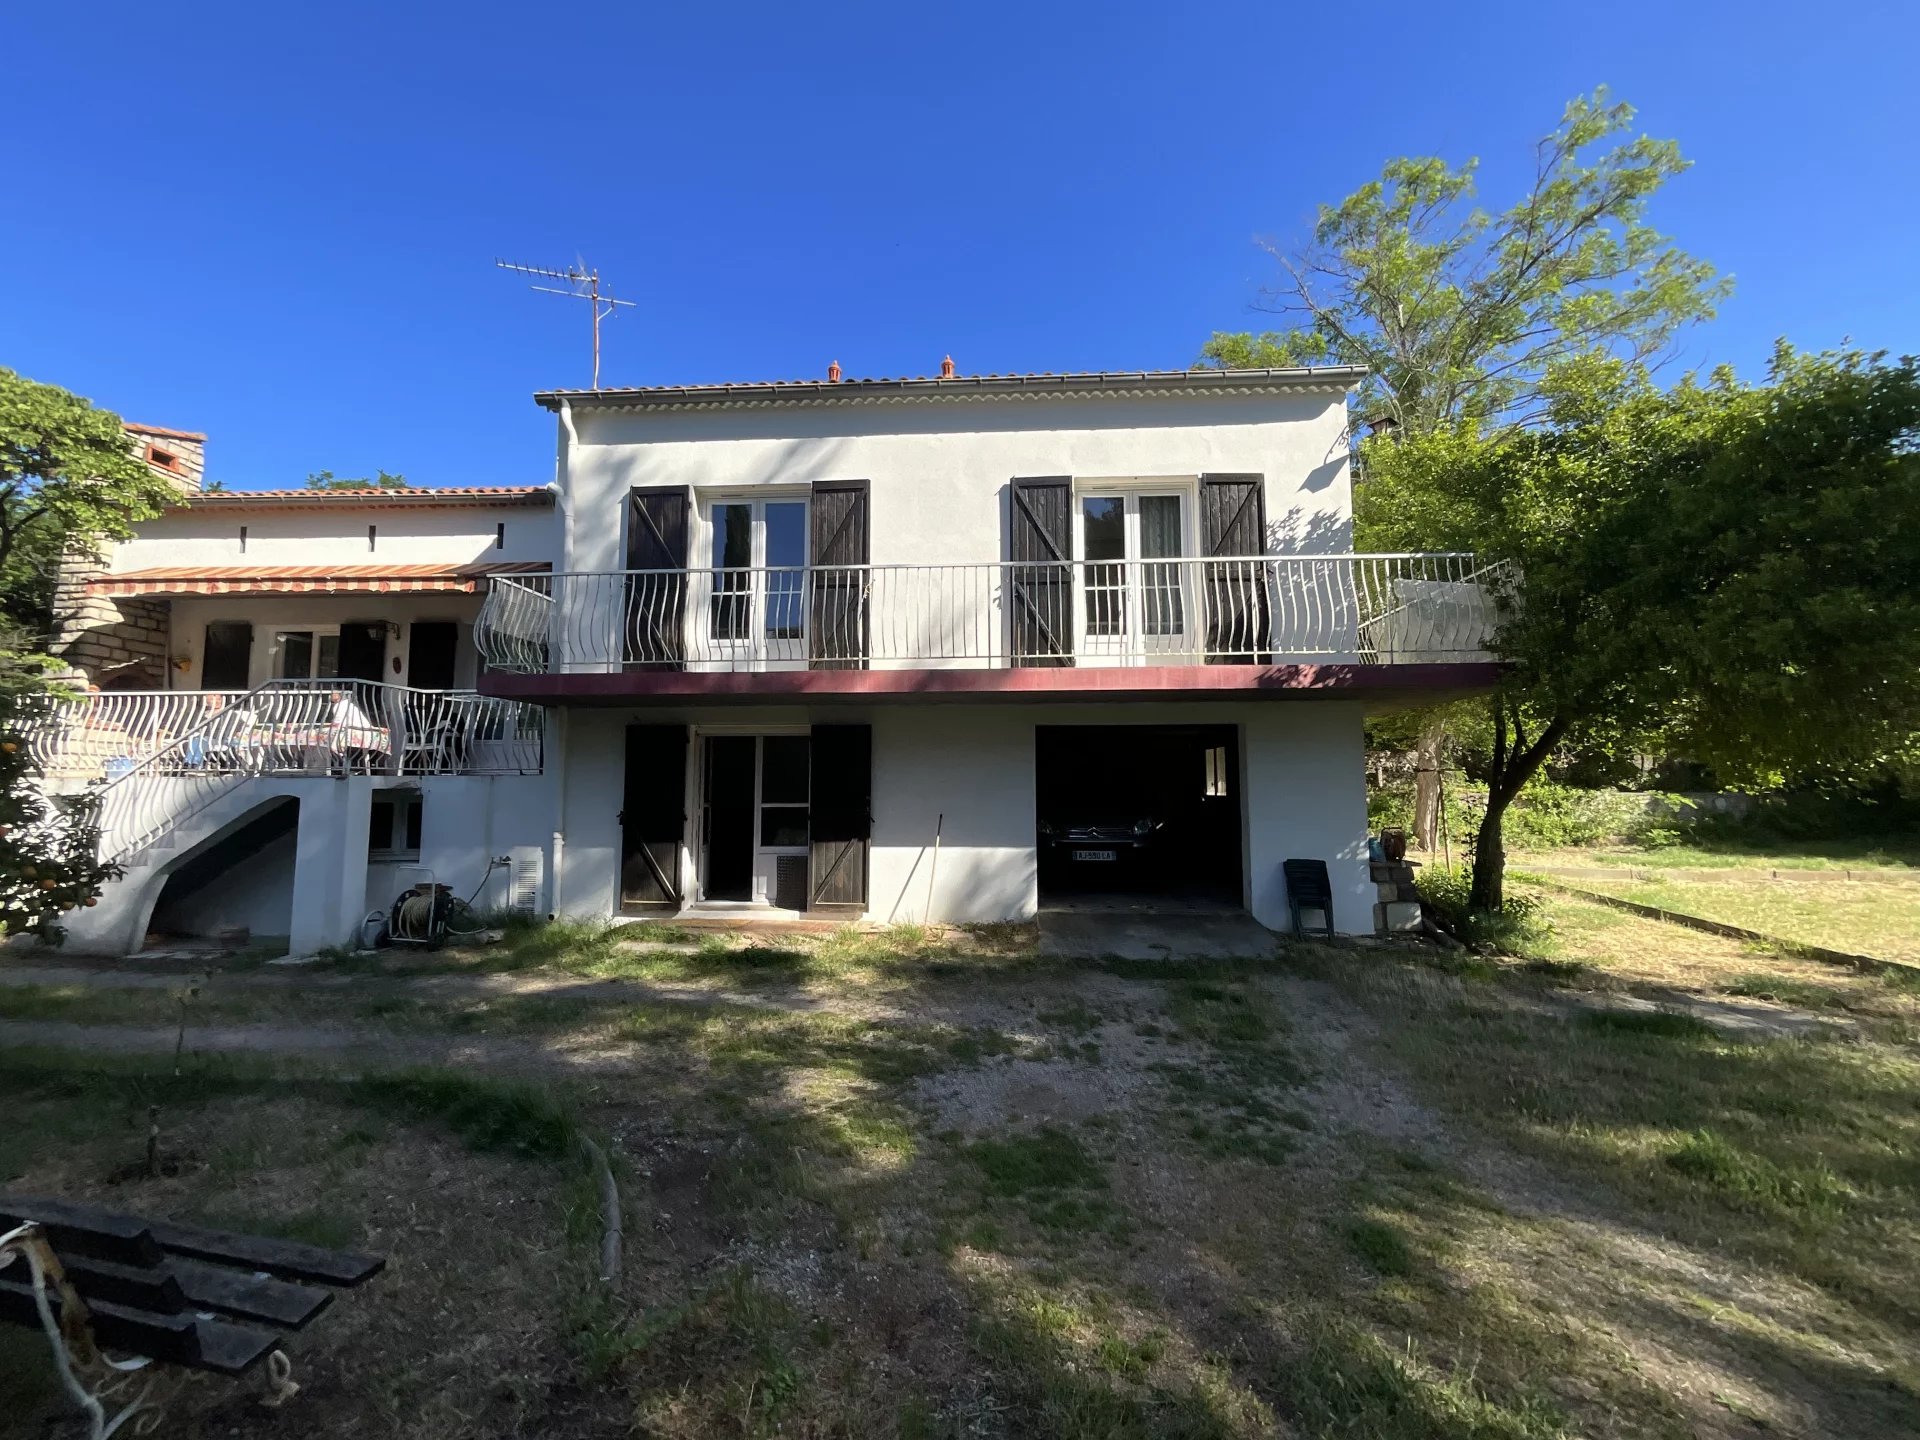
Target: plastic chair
[{"x": 1309, "y": 888}]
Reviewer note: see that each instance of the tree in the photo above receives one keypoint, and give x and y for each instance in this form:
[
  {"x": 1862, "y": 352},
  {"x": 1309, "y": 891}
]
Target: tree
[
  {"x": 68, "y": 481},
  {"x": 1734, "y": 566},
  {"x": 1459, "y": 314},
  {"x": 49, "y": 849},
  {"x": 382, "y": 480}
]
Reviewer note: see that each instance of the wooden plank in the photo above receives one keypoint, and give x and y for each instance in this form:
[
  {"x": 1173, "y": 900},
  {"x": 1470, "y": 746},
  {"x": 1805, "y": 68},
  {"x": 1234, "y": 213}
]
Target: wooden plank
[
  {"x": 83, "y": 1230},
  {"x": 140, "y": 1287},
  {"x": 286, "y": 1259},
  {"x": 172, "y": 1338},
  {"x": 109, "y": 1235},
  {"x": 248, "y": 1297}
]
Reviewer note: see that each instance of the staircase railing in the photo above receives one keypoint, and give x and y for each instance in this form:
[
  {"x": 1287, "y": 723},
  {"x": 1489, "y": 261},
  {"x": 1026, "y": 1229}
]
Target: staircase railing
[
  {"x": 185, "y": 775},
  {"x": 311, "y": 727}
]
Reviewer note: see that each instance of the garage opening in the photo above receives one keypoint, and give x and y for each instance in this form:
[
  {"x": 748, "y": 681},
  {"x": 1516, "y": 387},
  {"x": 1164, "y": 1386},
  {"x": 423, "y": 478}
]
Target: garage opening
[{"x": 1134, "y": 815}]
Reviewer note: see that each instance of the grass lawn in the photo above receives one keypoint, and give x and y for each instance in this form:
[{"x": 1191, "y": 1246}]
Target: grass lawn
[
  {"x": 1862, "y": 917},
  {"x": 1899, "y": 858},
  {"x": 951, "y": 1191}
]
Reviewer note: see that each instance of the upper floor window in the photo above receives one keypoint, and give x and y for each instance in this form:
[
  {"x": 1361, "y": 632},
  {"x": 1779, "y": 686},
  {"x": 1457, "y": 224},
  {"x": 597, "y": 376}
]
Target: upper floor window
[
  {"x": 758, "y": 557},
  {"x": 1129, "y": 542}
]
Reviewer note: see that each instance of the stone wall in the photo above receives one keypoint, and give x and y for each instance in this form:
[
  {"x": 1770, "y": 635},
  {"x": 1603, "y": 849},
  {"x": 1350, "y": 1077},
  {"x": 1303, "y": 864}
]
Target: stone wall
[{"x": 122, "y": 644}]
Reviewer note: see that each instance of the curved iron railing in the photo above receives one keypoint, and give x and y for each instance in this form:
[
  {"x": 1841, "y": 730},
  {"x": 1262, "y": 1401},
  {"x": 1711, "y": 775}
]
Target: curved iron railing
[
  {"x": 302, "y": 727},
  {"x": 1358, "y": 609}
]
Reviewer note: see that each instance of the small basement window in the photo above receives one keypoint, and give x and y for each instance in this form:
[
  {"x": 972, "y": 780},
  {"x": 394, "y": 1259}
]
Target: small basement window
[{"x": 393, "y": 831}]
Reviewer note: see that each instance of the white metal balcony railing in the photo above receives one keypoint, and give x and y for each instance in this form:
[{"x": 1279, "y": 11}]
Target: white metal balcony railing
[
  {"x": 286, "y": 727},
  {"x": 164, "y": 776},
  {"x": 1355, "y": 609}
]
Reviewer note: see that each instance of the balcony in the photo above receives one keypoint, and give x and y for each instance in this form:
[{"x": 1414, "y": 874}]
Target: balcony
[
  {"x": 285, "y": 727},
  {"x": 1186, "y": 626}
]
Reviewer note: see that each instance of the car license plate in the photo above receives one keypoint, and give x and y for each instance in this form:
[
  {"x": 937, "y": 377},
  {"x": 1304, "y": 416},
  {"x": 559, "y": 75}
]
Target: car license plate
[{"x": 1096, "y": 855}]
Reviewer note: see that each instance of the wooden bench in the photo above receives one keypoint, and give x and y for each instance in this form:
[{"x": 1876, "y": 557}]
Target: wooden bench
[{"x": 166, "y": 1294}]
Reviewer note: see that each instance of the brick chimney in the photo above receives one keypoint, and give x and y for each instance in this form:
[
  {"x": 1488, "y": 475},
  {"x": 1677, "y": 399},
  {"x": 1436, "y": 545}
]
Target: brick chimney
[
  {"x": 180, "y": 455},
  {"x": 946, "y": 368},
  {"x": 833, "y": 372}
]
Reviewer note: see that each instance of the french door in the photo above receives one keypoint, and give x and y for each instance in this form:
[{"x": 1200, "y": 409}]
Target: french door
[
  {"x": 1133, "y": 590},
  {"x": 756, "y": 600},
  {"x": 754, "y": 799}
]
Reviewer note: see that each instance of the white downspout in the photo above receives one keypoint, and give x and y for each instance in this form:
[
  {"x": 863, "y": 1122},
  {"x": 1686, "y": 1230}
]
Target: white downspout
[{"x": 563, "y": 497}]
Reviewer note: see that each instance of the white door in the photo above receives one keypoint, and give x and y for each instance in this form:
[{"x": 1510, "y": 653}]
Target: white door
[
  {"x": 1133, "y": 599},
  {"x": 754, "y": 610}
]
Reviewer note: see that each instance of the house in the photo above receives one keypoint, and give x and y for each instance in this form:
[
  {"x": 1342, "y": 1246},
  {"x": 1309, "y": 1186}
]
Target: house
[
  {"x": 886, "y": 649},
  {"x": 281, "y": 727},
  {"x": 950, "y": 648}
]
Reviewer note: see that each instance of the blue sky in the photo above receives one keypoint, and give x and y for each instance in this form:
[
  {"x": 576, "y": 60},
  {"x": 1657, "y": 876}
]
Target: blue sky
[{"x": 277, "y": 223}]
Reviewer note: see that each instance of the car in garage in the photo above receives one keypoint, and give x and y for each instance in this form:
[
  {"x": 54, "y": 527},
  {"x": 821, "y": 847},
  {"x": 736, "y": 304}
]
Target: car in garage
[{"x": 1089, "y": 842}]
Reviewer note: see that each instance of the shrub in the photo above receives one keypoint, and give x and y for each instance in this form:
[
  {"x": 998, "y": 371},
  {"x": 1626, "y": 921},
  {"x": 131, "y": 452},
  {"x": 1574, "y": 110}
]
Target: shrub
[{"x": 1519, "y": 928}]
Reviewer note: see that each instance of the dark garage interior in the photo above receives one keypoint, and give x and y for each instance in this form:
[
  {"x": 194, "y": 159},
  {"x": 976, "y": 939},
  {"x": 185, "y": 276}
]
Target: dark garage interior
[{"x": 1131, "y": 813}]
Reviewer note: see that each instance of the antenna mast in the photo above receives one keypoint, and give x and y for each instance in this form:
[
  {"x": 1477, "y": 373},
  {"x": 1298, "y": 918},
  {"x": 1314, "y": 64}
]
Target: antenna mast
[{"x": 585, "y": 285}]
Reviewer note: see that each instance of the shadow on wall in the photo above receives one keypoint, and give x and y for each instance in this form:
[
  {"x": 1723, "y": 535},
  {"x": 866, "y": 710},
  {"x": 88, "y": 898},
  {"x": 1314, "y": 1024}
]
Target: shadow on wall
[
  {"x": 241, "y": 879},
  {"x": 1301, "y": 531},
  {"x": 968, "y": 882}
]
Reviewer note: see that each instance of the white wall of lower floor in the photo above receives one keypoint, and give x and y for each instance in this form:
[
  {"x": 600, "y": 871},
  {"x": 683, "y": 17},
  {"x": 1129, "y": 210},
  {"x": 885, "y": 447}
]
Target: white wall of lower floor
[
  {"x": 968, "y": 770},
  {"x": 318, "y": 885}
]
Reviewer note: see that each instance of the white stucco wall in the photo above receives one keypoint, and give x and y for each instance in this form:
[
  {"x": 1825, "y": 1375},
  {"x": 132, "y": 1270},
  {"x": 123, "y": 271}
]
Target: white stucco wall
[
  {"x": 465, "y": 820},
  {"x": 938, "y": 469},
  {"x": 188, "y": 617},
  {"x": 256, "y": 894},
  {"x": 210, "y": 535},
  {"x": 1302, "y": 775}
]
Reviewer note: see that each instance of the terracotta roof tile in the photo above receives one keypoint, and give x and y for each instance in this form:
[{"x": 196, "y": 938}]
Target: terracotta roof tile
[
  {"x": 1041, "y": 382},
  {"x": 306, "y": 579}
]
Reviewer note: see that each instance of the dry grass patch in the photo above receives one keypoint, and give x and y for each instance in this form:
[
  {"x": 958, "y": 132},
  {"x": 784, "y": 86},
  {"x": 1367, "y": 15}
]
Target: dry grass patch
[
  {"x": 458, "y": 1337},
  {"x": 1858, "y": 916}
]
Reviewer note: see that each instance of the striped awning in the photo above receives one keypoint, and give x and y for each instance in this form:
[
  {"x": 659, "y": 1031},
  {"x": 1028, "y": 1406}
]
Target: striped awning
[{"x": 307, "y": 579}]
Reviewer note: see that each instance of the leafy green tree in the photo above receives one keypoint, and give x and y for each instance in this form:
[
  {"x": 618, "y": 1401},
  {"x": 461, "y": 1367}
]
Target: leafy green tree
[
  {"x": 382, "y": 480},
  {"x": 49, "y": 849},
  {"x": 69, "y": 481},
  {"x": 1735, "y": 566},
  {"x": 1459, "y": 313}
]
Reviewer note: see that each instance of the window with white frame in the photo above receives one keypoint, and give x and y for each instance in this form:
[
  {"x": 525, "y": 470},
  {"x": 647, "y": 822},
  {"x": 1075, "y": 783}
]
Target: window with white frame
[
  {"x": 1131, "y": 538},
  {"x": 758, "y": 554}
]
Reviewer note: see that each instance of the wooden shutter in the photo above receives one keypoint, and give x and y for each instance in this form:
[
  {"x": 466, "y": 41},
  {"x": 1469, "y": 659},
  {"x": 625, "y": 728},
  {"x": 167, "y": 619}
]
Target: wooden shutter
[
  {"x": 840, "y": 818},
  {"x": 654, "y": 637},
  {"x": 1040, "y": 579},
  {"x": 1233, "y": 522},
  {"x": 653, "y": 817},
  {"x": 837, "y": 622}
]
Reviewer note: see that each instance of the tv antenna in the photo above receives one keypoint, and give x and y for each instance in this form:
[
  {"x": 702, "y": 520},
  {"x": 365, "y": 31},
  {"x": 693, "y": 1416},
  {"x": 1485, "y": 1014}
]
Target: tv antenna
[{"x": 584, "y": 285}]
